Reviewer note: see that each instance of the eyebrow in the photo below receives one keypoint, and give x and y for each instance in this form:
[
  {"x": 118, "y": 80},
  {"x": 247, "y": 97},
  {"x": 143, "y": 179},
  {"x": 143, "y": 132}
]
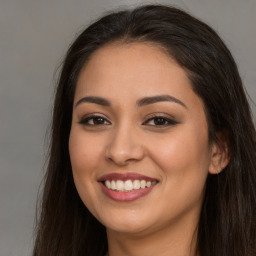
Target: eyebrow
[
  {"x": 141, "y": 102},
  {"x": 159, "y": 98},
  {"x": 95, "y": 100}
]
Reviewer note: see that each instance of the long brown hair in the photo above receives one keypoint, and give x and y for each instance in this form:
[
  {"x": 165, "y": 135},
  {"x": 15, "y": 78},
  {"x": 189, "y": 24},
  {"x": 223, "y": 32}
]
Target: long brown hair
[{"x": 227, "y": 223}]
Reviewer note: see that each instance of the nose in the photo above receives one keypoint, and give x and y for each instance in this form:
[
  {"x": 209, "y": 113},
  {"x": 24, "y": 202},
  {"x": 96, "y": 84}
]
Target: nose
[{"x": 124, "y": 147}]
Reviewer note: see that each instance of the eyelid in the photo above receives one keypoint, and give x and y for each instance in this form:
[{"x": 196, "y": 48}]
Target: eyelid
[
  {"x": 170, "y": 119},
  {"x": 84, "y": 120},
  {"x": 90, "y": 116}
]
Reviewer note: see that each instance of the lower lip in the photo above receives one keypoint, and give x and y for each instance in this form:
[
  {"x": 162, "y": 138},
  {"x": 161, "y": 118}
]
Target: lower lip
[{"x": 125, "y": 196}]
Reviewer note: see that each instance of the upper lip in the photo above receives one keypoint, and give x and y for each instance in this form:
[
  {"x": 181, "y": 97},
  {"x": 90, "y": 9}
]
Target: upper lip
[{"x": 125, "y": 176}]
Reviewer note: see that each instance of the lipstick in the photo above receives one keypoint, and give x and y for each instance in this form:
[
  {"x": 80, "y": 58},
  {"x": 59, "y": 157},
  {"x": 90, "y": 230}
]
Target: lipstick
[{"x": 125, "y": 187}]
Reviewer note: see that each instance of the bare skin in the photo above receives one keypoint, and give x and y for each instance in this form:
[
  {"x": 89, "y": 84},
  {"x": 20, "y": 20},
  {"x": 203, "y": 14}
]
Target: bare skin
[{"x": 135, "y": 113}]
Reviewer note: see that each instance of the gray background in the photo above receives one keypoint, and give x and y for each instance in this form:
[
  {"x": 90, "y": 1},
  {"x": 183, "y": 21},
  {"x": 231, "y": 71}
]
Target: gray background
[{"x": 34, "y": 37}]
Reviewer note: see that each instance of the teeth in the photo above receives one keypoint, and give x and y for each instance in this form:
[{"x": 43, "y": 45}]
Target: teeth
[
  {"x": 119, "y": 185},
  {"x": 128, "y": 185},
  {"x": 108, "y": 184},
  {"x": 148, "y": 184},
  {"x": 143, "y": 184},
  {"x": 113, "y": 185},
  {"x": 136, "y": 184}
]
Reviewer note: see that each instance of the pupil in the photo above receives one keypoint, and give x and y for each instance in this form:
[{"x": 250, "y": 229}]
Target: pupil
[
  {"x": 159, "y": 121},
  {"x": 98, "y": 120}
]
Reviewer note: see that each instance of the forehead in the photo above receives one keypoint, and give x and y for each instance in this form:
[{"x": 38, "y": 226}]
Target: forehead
[{"x": 136, "y": 63}]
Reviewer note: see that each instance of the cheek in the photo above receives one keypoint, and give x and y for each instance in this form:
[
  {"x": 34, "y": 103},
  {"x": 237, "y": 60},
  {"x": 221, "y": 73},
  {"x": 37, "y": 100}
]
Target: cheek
[
  {"x": 184, "y": 164},
  {"x": 84, "y": 153},
  {"x": 180, "y": 150},
  {"x": 184, "y": 158},
  {"x": 84, "y": 161}
]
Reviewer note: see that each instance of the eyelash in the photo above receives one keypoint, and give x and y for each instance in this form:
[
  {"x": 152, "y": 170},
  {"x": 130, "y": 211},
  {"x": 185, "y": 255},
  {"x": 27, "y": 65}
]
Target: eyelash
[
  {"x": 162, "y": 121},
  {"x": 87, "y": 119}
]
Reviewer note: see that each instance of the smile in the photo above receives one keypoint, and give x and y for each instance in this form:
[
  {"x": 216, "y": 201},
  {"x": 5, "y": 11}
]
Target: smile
[
  {"x": 128, "y": 185},
  {"x": 125, "y": 187}
]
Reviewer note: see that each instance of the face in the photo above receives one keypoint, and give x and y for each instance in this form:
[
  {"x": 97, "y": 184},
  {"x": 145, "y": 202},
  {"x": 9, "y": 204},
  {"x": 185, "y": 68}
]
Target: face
[{"x": 139, "y": 144}]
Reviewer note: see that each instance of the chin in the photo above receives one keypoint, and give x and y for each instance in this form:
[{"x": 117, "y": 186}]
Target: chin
[
  {"x": 127, "y": 228},
  {"x": 126, "y": 223}
]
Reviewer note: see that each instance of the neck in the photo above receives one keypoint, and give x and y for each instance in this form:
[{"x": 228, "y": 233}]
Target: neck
[{"x": 178, "y": 239}]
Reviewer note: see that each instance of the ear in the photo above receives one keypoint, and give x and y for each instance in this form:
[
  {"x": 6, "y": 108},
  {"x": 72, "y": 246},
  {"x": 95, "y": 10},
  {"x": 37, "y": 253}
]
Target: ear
[{"x": 220, "y": 154}]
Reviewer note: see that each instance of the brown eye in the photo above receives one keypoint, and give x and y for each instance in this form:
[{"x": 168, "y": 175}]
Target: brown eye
[
  {"x": 94, "y": 121},
  {"x": 97, "y": 120},
  {"x": 160, "y": 121}
]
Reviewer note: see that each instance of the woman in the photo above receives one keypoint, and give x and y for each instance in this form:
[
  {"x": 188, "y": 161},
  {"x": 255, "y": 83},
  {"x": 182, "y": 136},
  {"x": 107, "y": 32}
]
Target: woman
[{"x": 153, "y": 144}]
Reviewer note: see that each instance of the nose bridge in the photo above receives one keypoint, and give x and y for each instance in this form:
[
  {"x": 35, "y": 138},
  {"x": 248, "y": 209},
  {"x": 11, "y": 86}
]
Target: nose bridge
[{"x": 125, "y": 144}]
